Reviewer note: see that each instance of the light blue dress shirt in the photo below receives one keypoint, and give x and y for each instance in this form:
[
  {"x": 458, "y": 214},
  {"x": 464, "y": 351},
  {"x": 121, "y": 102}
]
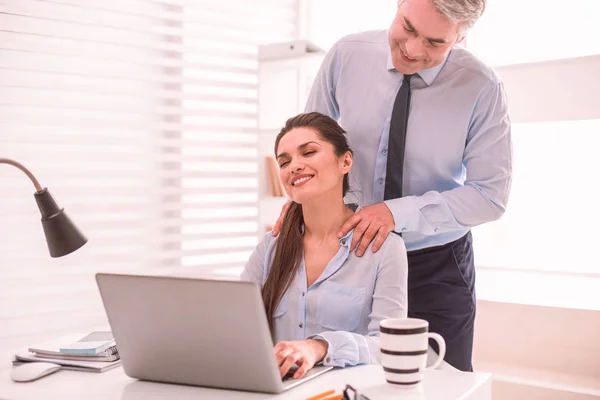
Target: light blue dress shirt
[
  {"x": 458, "y": 156},
  {"x": 345, "y": 304}
]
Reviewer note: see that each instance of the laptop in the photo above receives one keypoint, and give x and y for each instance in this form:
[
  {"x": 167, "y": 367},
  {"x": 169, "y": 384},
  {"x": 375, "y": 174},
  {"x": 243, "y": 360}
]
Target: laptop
[{"x": 193, "y": 331}]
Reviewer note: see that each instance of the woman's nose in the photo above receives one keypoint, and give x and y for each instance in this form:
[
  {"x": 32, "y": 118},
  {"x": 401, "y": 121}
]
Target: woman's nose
[{"x": 296, "y": 166}]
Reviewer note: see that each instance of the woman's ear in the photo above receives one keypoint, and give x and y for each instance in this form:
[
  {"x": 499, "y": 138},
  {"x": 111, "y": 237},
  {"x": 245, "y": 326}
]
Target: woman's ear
[{"x": 347, "y": 162}]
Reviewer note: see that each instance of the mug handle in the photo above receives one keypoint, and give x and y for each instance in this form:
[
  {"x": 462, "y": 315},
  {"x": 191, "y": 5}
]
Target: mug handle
[{"x": 442, "y": 345}]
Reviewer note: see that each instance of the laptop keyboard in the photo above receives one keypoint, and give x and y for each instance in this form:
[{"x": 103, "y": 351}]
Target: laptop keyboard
[
  {"x": 288, "y": 379},
  {"x": 290, "y": 374}
]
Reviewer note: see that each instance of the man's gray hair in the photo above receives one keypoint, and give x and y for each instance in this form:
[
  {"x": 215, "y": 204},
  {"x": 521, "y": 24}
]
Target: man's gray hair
[{"x": 465, "y": 12}]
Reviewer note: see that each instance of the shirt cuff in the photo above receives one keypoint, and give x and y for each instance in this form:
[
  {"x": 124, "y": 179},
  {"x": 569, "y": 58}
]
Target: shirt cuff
[
  {"x": 401, "y": 210},
  {"x": 328, "y": 359}
]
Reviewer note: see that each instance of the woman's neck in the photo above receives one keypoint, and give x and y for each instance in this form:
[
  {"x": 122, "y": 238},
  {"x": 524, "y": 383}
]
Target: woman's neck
[{"x": 323, "y": 221}]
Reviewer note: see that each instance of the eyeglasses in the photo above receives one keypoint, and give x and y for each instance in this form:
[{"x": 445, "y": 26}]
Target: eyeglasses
[{"x": 352, "y": 394}]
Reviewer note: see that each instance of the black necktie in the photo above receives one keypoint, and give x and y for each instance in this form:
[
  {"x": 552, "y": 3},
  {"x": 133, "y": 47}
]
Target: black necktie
[{"x": 396, "y": 141}]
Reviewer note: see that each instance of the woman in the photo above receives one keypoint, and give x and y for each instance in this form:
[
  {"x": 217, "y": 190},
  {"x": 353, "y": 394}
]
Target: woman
[{"x": 322, "y": 302}]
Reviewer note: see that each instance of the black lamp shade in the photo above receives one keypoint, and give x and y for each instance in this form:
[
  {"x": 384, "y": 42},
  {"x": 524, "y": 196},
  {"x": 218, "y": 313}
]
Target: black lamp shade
[{"x": 62, "y": 235}]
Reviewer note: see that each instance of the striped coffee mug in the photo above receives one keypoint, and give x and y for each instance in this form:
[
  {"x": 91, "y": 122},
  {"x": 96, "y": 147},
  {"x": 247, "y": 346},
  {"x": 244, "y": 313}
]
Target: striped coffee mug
[{"x": 403, "y": 343}]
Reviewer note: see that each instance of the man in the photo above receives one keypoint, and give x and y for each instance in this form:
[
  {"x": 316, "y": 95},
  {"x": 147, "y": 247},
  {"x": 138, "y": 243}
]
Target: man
[{"x": 431, "y": 175}]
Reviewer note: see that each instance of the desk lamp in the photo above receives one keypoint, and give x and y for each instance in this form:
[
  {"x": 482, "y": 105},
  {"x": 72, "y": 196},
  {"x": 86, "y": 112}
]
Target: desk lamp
[{"x": 62, "y": 235}]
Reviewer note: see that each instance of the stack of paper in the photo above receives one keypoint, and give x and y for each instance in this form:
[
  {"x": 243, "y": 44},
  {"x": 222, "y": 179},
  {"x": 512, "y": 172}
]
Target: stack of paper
[{"x": 94, "y": 352}]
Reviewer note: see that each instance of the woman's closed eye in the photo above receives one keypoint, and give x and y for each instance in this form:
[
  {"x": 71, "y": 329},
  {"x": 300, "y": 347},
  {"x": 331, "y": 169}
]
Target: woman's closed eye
[{"x": 305, "y": 154}]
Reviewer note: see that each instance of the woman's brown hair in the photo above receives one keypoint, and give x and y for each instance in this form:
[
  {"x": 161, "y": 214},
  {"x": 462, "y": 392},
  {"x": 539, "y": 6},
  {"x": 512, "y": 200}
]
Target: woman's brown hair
[{"x": 288, "y": 252}]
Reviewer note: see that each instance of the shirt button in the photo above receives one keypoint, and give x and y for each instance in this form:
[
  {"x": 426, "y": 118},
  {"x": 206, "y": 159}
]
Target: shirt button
[
  {"x": 380, "y": 180},
  {"x": 384, "y": 152},
  {"x": 300, "y": 325},
  {"x": 302, "y": 294},
  {"x": 328, "y": 360}
]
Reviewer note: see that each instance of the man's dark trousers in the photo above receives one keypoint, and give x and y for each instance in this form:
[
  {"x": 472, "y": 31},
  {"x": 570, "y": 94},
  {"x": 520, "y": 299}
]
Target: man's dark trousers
[{"x": 441, "y": 290}]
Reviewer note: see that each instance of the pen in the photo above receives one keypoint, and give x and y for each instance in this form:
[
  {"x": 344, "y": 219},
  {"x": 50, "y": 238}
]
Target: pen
[
  {"x": 336, "y": 397},
  {"x": 321, "y": 395}
]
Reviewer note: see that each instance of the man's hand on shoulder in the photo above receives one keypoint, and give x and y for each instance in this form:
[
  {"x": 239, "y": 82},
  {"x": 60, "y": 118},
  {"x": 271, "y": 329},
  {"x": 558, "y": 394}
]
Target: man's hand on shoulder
[
  {"x": 279, "y": 222},
  {"x": 372, "y": 222}
]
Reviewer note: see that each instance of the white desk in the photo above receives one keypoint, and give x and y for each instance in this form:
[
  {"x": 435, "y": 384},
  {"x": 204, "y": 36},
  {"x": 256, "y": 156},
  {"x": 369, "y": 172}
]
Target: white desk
[{"x": 115, "y": 385}]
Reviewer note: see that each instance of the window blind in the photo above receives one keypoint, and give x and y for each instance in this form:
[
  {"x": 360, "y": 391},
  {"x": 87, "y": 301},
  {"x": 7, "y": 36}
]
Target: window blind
[{"x": 140, "y": 118}]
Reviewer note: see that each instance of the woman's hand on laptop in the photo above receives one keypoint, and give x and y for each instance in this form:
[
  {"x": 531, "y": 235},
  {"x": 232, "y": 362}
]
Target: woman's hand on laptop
[{"x": 304, "y": 353}]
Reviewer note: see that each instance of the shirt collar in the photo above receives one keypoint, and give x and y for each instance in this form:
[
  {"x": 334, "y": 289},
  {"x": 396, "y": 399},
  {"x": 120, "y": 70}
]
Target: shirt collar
[
  {"x": 428, "y": 74},
  {"x": 347, "y": 240}
]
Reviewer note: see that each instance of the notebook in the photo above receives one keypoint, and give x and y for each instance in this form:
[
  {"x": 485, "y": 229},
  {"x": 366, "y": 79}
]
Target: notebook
[
  {"x": 93, "y": 344},
  {"x": 50, "y": 352},
  {"x": 53, "y": 348},
  {"x": 87, "y": 366}
]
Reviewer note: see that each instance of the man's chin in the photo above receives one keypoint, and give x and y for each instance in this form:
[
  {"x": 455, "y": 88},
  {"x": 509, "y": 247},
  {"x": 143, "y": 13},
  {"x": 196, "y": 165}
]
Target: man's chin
[{"x": 405, "y": 70}]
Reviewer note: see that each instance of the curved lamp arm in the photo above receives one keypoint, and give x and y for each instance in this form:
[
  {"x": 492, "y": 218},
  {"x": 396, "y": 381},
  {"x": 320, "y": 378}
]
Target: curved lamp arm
[
  {"x": 62, "y": 235},
  {"x": 37, "y": 185}
]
